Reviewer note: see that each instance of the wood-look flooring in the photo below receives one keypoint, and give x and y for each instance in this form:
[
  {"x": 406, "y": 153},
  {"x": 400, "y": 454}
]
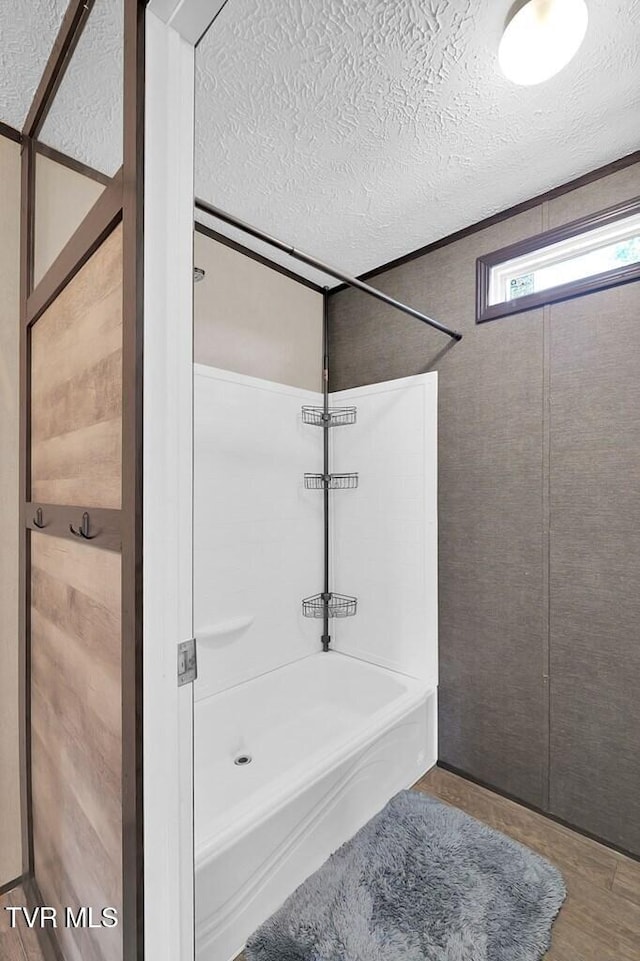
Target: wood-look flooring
[
  {"x": 600, "y": 919},
  {"x": 20, "y": 943}
]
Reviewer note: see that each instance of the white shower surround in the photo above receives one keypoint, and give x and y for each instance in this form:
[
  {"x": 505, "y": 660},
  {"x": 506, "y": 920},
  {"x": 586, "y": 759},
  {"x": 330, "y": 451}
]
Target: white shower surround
[
  {"x": 257, "y": 533},
  {"x": 385, "y": 539},
  {"x": 332, "y": 739},
  {"x": 331, "y": 736}
]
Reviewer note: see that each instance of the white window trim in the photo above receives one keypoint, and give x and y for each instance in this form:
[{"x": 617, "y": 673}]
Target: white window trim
[{"x": 560, "y": 252}]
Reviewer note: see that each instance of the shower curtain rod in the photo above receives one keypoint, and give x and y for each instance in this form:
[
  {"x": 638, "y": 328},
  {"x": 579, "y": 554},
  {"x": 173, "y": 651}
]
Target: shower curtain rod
[{"x": 325, "y": 268}]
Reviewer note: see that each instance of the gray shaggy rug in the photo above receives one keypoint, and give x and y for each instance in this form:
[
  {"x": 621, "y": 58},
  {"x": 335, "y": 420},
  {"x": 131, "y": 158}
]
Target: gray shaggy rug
[{"x": 422, "y": 881}]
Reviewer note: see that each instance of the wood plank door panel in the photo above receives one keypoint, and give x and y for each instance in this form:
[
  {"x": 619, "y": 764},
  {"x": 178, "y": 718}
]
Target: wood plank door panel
[
  {"x": 75, "y": 608},
  {"x": 76, "y": 376},
  {"x": 76, "y": 735}
]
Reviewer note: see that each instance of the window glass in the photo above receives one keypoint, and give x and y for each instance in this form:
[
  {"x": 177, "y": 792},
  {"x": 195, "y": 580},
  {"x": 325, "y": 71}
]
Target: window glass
[{"x": 582, "y": 256}]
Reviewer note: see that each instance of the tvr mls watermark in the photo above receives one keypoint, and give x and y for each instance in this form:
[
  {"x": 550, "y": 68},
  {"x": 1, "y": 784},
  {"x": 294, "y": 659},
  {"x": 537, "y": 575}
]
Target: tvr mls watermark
[{"x": 82, "y": 917}]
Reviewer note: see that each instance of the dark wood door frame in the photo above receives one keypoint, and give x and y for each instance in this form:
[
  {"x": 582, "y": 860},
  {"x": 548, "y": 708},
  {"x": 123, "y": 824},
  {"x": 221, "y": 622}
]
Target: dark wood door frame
[
  {"x": 131, "y": 531},
  {"x": 122, "y": 200}
]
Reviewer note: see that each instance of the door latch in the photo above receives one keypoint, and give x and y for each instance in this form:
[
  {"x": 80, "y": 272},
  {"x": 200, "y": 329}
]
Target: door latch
[{"x": 187, "y": 662}]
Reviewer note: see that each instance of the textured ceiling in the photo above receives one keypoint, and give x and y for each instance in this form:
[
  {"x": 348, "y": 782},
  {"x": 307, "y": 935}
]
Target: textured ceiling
[
  {"x": 85, "y": 120},
  {"x": 360, "y": 131},
  {"x": 27, "y": 32},
  {"x": 354, "y": 130}
]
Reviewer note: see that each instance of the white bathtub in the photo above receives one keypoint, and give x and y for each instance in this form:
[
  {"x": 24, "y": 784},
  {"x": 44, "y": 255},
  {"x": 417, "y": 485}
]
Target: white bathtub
[{"x": 331, "y": 738}]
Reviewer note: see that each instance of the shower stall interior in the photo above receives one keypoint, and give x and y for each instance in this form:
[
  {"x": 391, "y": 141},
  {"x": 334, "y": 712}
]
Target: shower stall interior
[
  {"x": 295, "y": 748},
  {"x": 301, "y": 738}
]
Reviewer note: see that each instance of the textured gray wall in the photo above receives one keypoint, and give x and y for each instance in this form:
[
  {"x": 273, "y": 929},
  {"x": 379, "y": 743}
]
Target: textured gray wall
[
  {"x": 539, "y": 462},
  {"x": 595, "y": 563}
]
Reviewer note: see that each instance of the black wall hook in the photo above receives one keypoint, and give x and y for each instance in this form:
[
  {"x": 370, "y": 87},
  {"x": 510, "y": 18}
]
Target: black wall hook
[
  {"x": 37, "y": 520},
  {"x": 83, "y": 530}
]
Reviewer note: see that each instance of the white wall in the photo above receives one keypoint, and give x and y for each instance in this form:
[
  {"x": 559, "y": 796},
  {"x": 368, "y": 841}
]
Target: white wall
[
  {"x": 10, "y": 830},
  {"x": 257, "y": 531},
  {"x": 385, "y": 537}
]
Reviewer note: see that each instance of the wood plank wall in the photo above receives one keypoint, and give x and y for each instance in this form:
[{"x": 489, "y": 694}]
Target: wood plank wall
[{"x": 75, "y": 615}]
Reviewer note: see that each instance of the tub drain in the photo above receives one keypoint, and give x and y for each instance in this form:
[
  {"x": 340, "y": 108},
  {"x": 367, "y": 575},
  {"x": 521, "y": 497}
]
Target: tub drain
[{"x": 242, "y": 759}]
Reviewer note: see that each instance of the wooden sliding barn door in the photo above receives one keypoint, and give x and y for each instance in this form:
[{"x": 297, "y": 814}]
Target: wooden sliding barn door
[
  {"x": 76, "y": 389},
  {"x": 81, "y": 552}
]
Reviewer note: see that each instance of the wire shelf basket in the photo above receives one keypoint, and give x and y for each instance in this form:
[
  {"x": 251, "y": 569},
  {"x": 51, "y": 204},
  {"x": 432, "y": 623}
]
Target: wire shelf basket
[
  {"x": 340, "y": 605},
  {"x": 332, "y": 482},
  {"x": 336, "y": 417}
]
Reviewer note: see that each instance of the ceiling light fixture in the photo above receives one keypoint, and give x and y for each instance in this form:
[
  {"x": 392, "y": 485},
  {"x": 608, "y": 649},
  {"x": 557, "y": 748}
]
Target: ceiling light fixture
[{"x": 540, "y": 38}]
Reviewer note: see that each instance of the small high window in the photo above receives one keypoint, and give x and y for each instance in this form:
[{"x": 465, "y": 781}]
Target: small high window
[{"x": 587, "y": 255}]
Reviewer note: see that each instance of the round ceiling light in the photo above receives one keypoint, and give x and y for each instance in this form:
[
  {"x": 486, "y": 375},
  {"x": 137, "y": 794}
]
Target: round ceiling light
[{"x": 540, "y": 38}]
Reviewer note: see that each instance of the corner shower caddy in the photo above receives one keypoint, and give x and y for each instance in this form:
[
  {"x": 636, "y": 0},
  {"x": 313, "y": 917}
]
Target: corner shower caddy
[{"x": 328, "y": 604}]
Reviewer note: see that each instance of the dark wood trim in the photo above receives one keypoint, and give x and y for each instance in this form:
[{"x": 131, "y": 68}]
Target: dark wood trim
[
  {"x": 46, "y": 938},
  {"x": 10, "y": 885},
  {"x": 71, "y": 28},
  {"x": 10, "y": 132},
  {"x": 105, "y": 523},
  {"x": 97, "y": 225},
  {"x": 575, "y": 288},
  {"x": 27, "y": 213},
  {"x": 76, "y": 165},
  {"x": 602, "y": 218},
  {"x": 27, "y": 193},
  {"x": 241, "y": 249},
  {"x": 132, "y": 426},
  {"x": 532, "y": 807},
  {"x": 520, "y": 208}
]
